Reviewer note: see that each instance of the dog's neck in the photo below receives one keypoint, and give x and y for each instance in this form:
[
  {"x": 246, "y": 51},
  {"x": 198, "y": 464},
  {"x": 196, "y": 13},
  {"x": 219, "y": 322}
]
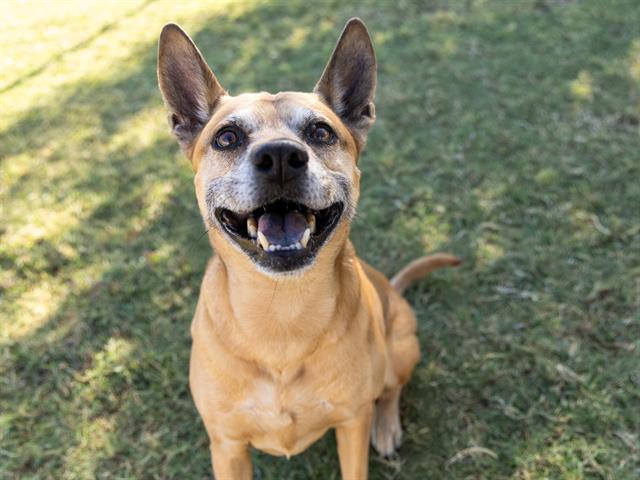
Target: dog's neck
[{"x": 279, "y": 320}]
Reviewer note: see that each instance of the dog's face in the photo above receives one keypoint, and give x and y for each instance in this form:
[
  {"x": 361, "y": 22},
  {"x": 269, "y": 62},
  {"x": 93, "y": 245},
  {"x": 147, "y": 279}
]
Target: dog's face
[{"x": 276, "y": 175}]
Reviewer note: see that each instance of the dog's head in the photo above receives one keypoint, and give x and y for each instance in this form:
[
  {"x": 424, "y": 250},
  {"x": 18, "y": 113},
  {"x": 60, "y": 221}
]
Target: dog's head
[{"x": 276, "y": 174}]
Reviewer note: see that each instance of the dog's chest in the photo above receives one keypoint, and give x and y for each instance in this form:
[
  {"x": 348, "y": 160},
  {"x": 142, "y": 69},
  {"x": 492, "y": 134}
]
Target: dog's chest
[
  {"x": 284, "y": 417},
  {"x": 283, "y": 407}
]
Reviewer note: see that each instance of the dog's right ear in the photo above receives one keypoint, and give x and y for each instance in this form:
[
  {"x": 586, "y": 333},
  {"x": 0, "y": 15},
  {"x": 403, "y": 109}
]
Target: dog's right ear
[
  {"x": 189, "y": 87},
  {"x": 348, "y": 83}
]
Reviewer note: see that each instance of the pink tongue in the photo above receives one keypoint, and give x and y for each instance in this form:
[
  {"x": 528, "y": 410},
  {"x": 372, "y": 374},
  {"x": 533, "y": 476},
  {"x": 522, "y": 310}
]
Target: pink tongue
[{"x": 282, "y": 228}]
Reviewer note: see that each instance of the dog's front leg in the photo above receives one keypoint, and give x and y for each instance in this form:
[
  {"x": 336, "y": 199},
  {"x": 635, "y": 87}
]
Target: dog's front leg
[
  {"x": 231, "y": 461},
  {"x": 353, "y": 445}
]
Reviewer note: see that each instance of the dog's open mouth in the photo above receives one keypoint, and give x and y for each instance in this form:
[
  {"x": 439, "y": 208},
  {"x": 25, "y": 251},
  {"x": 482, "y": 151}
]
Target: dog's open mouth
[{"x": 282, "y": 228}]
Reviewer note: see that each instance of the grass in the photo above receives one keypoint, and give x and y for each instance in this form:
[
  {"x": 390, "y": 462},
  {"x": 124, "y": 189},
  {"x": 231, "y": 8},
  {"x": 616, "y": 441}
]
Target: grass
[{"x": 508, "y": 133}]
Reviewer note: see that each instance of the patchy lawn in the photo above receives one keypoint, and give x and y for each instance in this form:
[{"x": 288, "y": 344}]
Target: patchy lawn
[{"x": 508, "y": 133}]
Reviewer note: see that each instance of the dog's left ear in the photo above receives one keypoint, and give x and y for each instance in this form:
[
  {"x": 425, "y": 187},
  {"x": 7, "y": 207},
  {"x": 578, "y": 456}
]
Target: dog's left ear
[
  {"x": 189, "y": 87},
  {"x": 348, "y": 83}
]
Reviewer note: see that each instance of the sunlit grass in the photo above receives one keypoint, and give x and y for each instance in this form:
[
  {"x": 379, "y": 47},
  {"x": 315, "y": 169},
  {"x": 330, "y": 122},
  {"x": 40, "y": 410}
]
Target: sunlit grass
[
  {"x": 31, "y": 311},
  {"x": 634, "y": 60},
  {"x": 582, "y": 86},
  {"x": 41, "y": 42}
]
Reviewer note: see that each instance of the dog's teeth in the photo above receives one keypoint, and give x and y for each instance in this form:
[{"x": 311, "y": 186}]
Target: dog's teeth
[
  {"x": 252, "y": 227},
  {"x": 311, "y": 220},
  {"x": 272, "y": 248},
  {"x": 263, "y": 241},
  {"x": 298, "y": 246},
  {"x": 305, "y": 238}
]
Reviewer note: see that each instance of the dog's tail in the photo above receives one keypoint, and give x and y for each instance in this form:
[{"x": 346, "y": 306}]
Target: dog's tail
[{"x": 422, "y": 267}]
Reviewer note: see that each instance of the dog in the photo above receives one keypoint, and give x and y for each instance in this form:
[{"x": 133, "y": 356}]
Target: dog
[{"x": 293, "y": 334}]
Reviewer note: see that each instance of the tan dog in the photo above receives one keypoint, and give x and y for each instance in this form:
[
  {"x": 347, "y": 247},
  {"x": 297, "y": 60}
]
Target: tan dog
[{"x": 293, "y": 334}]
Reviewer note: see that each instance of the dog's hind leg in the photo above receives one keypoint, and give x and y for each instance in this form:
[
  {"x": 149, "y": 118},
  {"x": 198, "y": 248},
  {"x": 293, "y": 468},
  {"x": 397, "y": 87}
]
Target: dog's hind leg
[
  {"x": 402, "y": 344},
  {"x": 404, "y": 353},
  {"x": 386, "y": 431}
]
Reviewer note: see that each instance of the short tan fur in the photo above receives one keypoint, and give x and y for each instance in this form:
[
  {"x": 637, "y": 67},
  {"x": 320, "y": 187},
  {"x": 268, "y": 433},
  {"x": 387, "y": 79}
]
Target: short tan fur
[{"x": 289, "y": 340}]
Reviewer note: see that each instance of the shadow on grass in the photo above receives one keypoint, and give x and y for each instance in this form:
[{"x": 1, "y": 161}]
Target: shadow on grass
[{"x": 101, "y": 386}]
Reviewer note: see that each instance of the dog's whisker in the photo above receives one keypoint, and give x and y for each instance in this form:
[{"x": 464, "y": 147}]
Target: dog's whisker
[
  {"x": 195, "y": 242},
  {"x": 273, "y": 295}
]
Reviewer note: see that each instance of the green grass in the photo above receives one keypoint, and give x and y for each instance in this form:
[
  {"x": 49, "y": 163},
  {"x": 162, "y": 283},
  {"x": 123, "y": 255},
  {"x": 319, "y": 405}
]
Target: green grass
[{"x": 508, "y": 132}]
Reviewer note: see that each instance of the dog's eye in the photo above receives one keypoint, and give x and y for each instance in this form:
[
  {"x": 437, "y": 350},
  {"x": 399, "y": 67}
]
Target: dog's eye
[
  {"x": 227, "y": 138},
  {"x": 321, "y": 133}
]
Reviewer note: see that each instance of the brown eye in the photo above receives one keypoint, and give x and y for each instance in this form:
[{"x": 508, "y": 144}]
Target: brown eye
[
  {"x": 321, "y": 133},
  {"x": 227, "y": 138}
]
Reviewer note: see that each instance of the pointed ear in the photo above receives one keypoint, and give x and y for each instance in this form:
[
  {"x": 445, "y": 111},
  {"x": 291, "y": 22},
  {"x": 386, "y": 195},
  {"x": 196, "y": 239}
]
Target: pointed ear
[
  {"x": 348, "y": 83},
  {"x": 189, "y": 87}
]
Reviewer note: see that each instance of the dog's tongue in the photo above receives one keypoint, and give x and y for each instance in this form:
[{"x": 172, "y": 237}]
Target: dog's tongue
[{"x": 282, "y": 228}]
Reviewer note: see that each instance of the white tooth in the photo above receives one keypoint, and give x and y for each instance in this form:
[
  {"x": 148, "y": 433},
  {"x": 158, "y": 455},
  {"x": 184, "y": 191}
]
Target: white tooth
[
  {"x": 263, "y": 241},
  {"x": 311, "y": 220},
  {"x": 272, "y": 248},
  {"x": 252, "y": 227},
  {"x": 305, "y": 238},
  {"x": 298, "y": 246}
]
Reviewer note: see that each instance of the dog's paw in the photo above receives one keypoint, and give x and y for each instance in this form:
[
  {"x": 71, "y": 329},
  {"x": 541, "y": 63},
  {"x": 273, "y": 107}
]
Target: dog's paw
[{"x": 386, "y": 431}]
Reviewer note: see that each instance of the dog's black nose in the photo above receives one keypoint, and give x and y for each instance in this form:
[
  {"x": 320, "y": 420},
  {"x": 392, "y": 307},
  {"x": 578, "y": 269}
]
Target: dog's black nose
[{"x": 280, "y": 161}]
